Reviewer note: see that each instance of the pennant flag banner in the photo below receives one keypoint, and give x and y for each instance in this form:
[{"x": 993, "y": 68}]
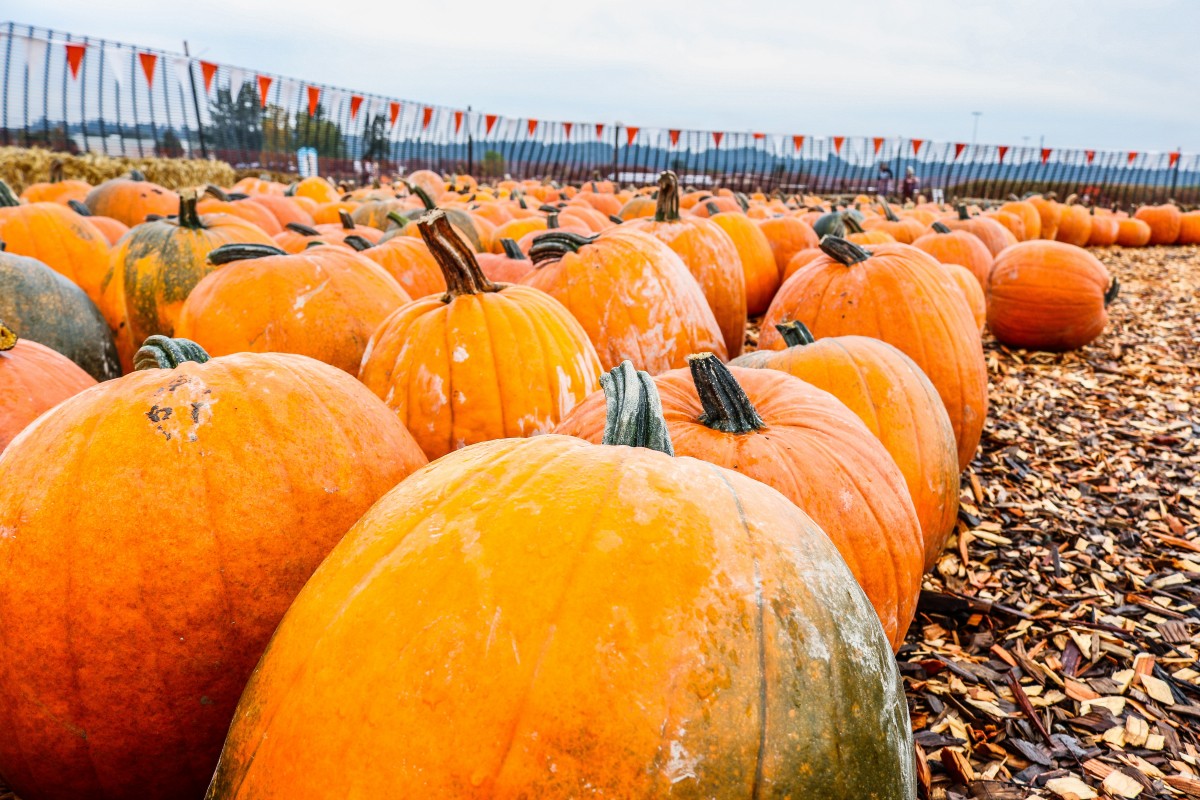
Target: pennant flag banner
[
  {"x": 118, "y": 57},
  {"x": 917, "y": 145},
  {"x": 289, "y": 90},
  {"x": 599, "y": 129},
  {"x": 532, "y": 125},
  {"x": 674, "y": 134},
  {"x": 182, "y": 66},
  {"x": 393, "y": 113},
  {"x": 838, "y": 141},
  {"x": 208, "y": 71},
  {"x": 630, "y": 134},
  {"x": 1002, "y": 150},
  {"x": 717, "y": 137},
  {"x": 458, "y": 121},
  {"x": 314, "y": 100},
  {"x": 1173, "y": 159},
  {"x": 426, "y": 116},
  {"x": 149, "y": 62},
  {"x": 760, "y": 136},
  {"x": 490, "y": 121},
  {"x": 567, "y": 126},
  {"x": 1046, "y": 154},
  {"x": 75, "y": 54},
  {"x": 798, "y": 142},
  {"x": 1091, "y": 154},
  {"x": 1132, "y": 156},
  {"x": 355, "y": 104},
  {"x": 35, "y": 52},
  {"x": 264, "y": 86},
  {"x": 878, "y": 142},
  {"x": 958, "y": 148}
]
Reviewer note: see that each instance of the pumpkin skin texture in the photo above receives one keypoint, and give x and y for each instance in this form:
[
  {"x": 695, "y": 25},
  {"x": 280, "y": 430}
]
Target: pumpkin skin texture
[
  {"x": 1133, "y": 233},
  {"x": 1164, "y": 222},
  {"x": 658, "y": 580},
  {"x": 813, "y": 450},
  {"x": 787, "y": 236},
  {"x": 1189, "y": 228},
  {"x": 1074, "y": 226},
  {"x": 163, "y": 524},
  {"x": 483, "y": 361},
  {"x": 58, "y": 237},
  {"x": 152, "y": 271},
  {"x": 409, "y": 261},
  {"x": 1048, "y": 296},
  {"x": 51, "y": 310},
  {"x": 1050, "y": 213},
  {"x": 509, "y": 267},
  {"x": 897, "y": 403},
  {"x": 323, "y": 303},
  {"x": 799, "y": 260},
  {"x": 33, "y": 379},
  {"x": 130, "y": 201},
  {"x": 994, "y": 236},
  {"x": 972, "y": 291},
  {"x": 1103, "y": 232},
  {"x": 958, "y": 247},
  {"x": 708, "y": 253},
  {"x": 762, "y": 277},
  {"x": 1027, "y": 212},
  {"x": 903, "y": 296},
  {"x": 635, "y": 298}
]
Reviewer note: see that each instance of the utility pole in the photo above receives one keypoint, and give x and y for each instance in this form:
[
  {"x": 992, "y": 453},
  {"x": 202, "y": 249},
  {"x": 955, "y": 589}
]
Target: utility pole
[
  {"x": 470, "y": 146},
  {"x": 975, "y": 127},
  {"x": 195, "y": 101},
  {"x": 616, "y": 151}
]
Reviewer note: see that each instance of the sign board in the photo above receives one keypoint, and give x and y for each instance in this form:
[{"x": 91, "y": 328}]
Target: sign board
[{"x": 306, "y": 161}]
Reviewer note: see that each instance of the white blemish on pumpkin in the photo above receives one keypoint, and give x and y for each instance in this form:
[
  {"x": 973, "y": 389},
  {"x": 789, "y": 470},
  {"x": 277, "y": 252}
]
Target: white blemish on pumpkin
[
  {"x": 460, "y": 354},
  {"x": 566, "y": 397},
  {"x": 491, "y": 632},
  {"x": 303, "y": 299},
  {"x": 681, "y": 765},
  {"x": 8, "y": 532},
  {"x": 460, "y": 398},
  {"x": 179, "y": 409}
]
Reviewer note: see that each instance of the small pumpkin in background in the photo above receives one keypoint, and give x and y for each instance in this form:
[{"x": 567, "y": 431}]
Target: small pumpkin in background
[
  {"x": 1103, "y": 231},
  {"x": 154, "y": 269},
  {"x": 762, "y": 277},
  {"x": 994, "y": 236},
  {"x": 217, "y": 201},
  {"x": 1027, "y": 212},
  {"x": 409, "y": 261},
  {"x": 1164, "y": 222},
  {"x": 904, "y": 230},
  {"x": 49, "y": 309},
  {"x": 1048, "y": 296},
  {"x": 483, "y": 361},
  {"x": 1049, "y": 212},
  {"x": 511, "y": 266},
  {"x": 897, "y": 403},
  {"x": 1014, "y": 223},
  {"x": 1189, "y": 228},
  {"x": 112, "y": 229},
  {"x": 855, "y": 233},
  {"x": 57, "y": 189},
  {"x": 131, "y": 199},
  {"x": 296, "y": 237},
  {"x": 1075, "y": 224},
  {"x": 787, "y": 236},
  {"x": 631, "y": 293},
  {"x": 1133, "y": 232},
  {"x": 317, "y": 189},
  {"x": 957, "y": 247},
  {"x": 33, "y": 379},
  {"x": 324, "y": 302},
  {"x": 285, "y": 209}
]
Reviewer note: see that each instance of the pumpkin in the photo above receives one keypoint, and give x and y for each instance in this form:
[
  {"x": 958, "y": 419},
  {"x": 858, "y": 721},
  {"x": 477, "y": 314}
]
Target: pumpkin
[
  {"x": 482, "y": 361},
  {"x": 709, "y": 254},
  {"x": 375, "y": 213},
  {"x": 477, "y": 232},
  {"x": 799, "y": 260},
  {"x": 901, "y": 295},
  {"x": 686, "y": 632},
  {"x": 1049, "y": 212},
  {"x": 971, "y": 290},
  {"x": 154, "y": 269},
  {"x": 259, "y": 186},
  {"x": 802, "y": 441},
  {"x": 56, "y": 190},
  {"x": 856, "y": 234},
  {"x": 1014, "y": 223},
  {"x": 994, "y": 236},
  {"x": 787, "y": 236},
  {"x": 638, "y": 207},
  {"x": 218, "y": 202},
  {"x": 33, "y": 379},
  {"x": 905, "y": 230},
  {"x": 330, "y": 213},
  {"x": 284, "y": 209},
  {"x": 1074, "y": 226},
  {"x": 507, "y": 267},
  {"x": 957, "y": 247},
  {"x": 1133, "y": 232},
  {"x": 324, "y": 303},
  {"x": 1189, "y": 228},
  {"x": 317, "y": 189},
  {"x": 1027, "y": 212},
  {"x": 130, "y": 200},
  {"x": 58, "y": 237},
  {"x": 428, "y": 181},
  {"x": 1048, "y": 296},
  {"x": 897, "y": 403},
  {"x": 1164, "y": 222},
  {"x": 762, "y": 277},
  {"x": 1103, "y": 231},
  {"x": 51, "y": 310},
  {"x": 409, "y": 261},
  {"x": 635, "y": 298},
  {"x": 161, "y": 525},
  {"x": 112, "y": 229}
]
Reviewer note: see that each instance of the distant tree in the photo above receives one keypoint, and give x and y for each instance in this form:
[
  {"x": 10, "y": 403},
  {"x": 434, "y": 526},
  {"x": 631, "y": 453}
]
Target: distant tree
[
  {"x": 277, "y": 133},
  {"x": 170, "y": 146},
  {"x": 318, "y": 132},
  {"x": 376, "y": 143},
  {"x": 493, "y": 164},
  {"x": 236, "y": 123}
]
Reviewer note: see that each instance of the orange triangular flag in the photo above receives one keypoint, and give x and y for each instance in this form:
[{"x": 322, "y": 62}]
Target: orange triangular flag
[
  {"x": 717, "y": 137},
  {"x": 878, "y": 140},
  {"x": 917, "y": 145},
  {"x": 837, "y": 143},
  {"x": 356, "y": 102},
  {"x": 393, "y": 112},
  {"x": 630, "y": 134},
  {"x": 75, "y": 57},
  {"x": 208, "y": 71},
  {"x": 314, "y": 99},
  {"x": 457, "y": 121},
  {"x": 674, "y": 134},
  {"x": 264, "y": 86},
  {"x": 426, "y": 116},
  {"x": 149, "y": 62}
]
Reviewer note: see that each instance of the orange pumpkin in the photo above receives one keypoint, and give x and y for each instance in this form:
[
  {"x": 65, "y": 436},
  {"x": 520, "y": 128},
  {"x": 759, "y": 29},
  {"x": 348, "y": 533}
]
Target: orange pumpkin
[
  {"x": 709, "y": 254},
  {"x": 905, "y": 230},
  {"x": 316, "y": 189},
  {"x": 511, "y": 266},
  {"x": 897, "y": 403},
  {"x": 483, "y": 361},
  {"x": 1048, "y": 296},
  {"x": 434, "y": 663},
  {"x": 1104, "y": 230},
  {"x": 635, "y": 298},
  {"x": 1189, "y": 228},
  {"x": 33, "y": 379},
  {"x": 1049, "y": 212},
  {"x": 324, "y": 303},
  {"x": 994, "y": 236},
  {"x": 1133, "y": 232},
  {"x": 787, "y": 236},
  {"x": 1014, "y": 223},
  {"x": 1074, "y": 226},
  {"x": 56, "y": 190},
  {"x": 855, "y": 233},
  {"x": 162, "y": 524},
  {"x": 130, "y": 200},
  {"x": 285, "y": 209},
  {"x": 754, "y": 251},
  {"x": 971, "y": 290},
  {"x": 799, "y": 260},
  {"x": 112, "y": 229},
  {"x": 901, "y": 295},
  {"x": 409, "y": 261},
  {"x": 218, "y": 202},
  {"x": 1164, "y": 222},
  {"x": 957, "y": 247},
  {"x": 1027, "y": 212}
]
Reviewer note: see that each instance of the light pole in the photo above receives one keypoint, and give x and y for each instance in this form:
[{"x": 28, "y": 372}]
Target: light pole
[{"x": 975, "y": 127}]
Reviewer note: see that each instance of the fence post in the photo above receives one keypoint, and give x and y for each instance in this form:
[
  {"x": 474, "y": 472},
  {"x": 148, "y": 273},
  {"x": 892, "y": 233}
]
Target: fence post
[
  {"x": 195, "y": 101},
  {"x": 470, "y": 144}
]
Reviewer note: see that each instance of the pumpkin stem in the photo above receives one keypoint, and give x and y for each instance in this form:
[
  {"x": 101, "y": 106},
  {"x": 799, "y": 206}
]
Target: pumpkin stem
[
  {"x": 7, "y": 198},
  {"x": 556, "y": 244},
  {"x": 426, "y": 200},
  {"x": 188, "y": 216},
  {"x": 302, "y": 229},
  {"x": 137, "y": 175},
  {"x": 887, "y": 210},
  {"x": 795, "y": 333},
  {"x": 512, "y": 250},
  {"x": 962, "y": 211},
  {"x": 56, "y": 171},
  {"x": 347, "y": 220},
  {"x": 666, "y": 208},
  {"x": 454, "y": 256},
  {"x": 851, "y": 224},
  {"x": 79, "y": 208},
  {"x": 228, "y": 253},
  {"x": 726, "y": 406},
  {"x": 163, "y": 352},
  {"x": 1114, "y": 288},
  {"x": 212, "y": 190},
  {"x": 357, "y": 242},
  {"x": 742, "y": 201},
  {"x": 614, "y": 219},
  {"x": 398, "y": 218},
  {"x": 712, "y": 208},
  {"x": 842, "y": 251},
  {"x": 552, "y": 220},
  {"x": 941, "y": 227},
  {"x": 546, "y": 208},
  {"x": 634, "y": 415},
  {"x": 8, "y": 337}
]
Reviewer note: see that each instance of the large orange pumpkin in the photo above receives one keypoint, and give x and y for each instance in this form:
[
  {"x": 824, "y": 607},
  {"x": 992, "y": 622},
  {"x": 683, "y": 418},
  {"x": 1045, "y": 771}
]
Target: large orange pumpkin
[
  {"x": 1049, "y": 212},
  {"x": 1075, "y": 225},
  {"x": 33, "y": 379},
  {"x": 708, "y": 253},
  {"x": 635, "y": 298},
  {"x": 901, "y": 295},
  {"x": 802, "y": 441},
  {"x": 957, "y": 247},
  {"x": 787, "y": 236},
  {"x": 1048, "y": 296},
  {"x": 687, "y": 632},
  {"x": 1103, "y": 231},
  {"x": 157, "y": 528},
  {"x": 762, "y": 277},
  {"x": 1164, "y": 222},
  {"x": 1189, "y": 228},
  {"x": 154, "y": 269},
  {"x": 972, "y": 290},
  {"x": 1027, "y": 212},
  {"x": 1133, "y": 232},
  {"x": 324, "y": 303},
  {"x": 897, "y": 403},
  {"x": 130, "y": 200},
  {"x": 482, "y": 361}
]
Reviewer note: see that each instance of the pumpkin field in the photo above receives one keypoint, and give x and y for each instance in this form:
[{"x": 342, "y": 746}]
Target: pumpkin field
[{"x": 445, "y": 485}]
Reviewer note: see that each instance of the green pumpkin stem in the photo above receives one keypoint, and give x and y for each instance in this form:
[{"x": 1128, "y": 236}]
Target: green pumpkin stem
[
  {"x": 7, "y": 198},
  {"x": 188, "y": 216},
  {"x": 941, "y": 227},
  {"x": 163, "y": 352},
  {"x": 795, "y": 333},
  {"x": 615, "y": 220},
  {"x": 666, "y": 208},
  {"x": 399, "y": 219},
  {"x": 546, "y": 208},
  {"x": 228, "y": 253},
  {"x": 212, "y": 190},
  {"x": 633, "y": 415},
  {"x": 462, "y": 272},
  {"x": 79, "y": 208},
  {"x": 137, "y": 175},
  {"x": 302, "y": 229},
  {"x": 712, "y": 208},
  {"x": 426, "y": 200},
  {"x": 347, "y": 220},
  {"x": 962, "y": 211},
  {"x": 513, "y": 250},
  {"x": 8, "y": 337},
  {"x": 842, "y": 251},
  {"x": 726, "y": 406},
  {"x": 552, "y": 220},
  {"x": 851, "y": 224},
  {"x": 887, "y": 210},
  {"x": 1110, "y": 295},
  {"x": 357, "y": 242},
  {"x": 555, "y": 244}
]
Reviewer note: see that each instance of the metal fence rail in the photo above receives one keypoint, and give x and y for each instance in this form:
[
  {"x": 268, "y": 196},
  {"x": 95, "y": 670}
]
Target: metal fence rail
[{"x": 77, "y": 93}]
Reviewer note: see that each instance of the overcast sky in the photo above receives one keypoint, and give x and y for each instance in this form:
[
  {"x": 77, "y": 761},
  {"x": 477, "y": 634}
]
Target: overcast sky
[{"x": 1082, "y": 73}]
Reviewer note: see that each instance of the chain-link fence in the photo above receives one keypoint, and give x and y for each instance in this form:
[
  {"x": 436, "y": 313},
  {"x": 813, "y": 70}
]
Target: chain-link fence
[{"x": 76, "y": 93}]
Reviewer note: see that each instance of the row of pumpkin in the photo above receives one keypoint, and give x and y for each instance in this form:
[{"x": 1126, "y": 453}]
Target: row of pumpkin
[{"x": 531, "y": 616}]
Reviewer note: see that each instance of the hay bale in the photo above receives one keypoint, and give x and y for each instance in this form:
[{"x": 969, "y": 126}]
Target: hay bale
[{"x": 21, "y": 166}]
